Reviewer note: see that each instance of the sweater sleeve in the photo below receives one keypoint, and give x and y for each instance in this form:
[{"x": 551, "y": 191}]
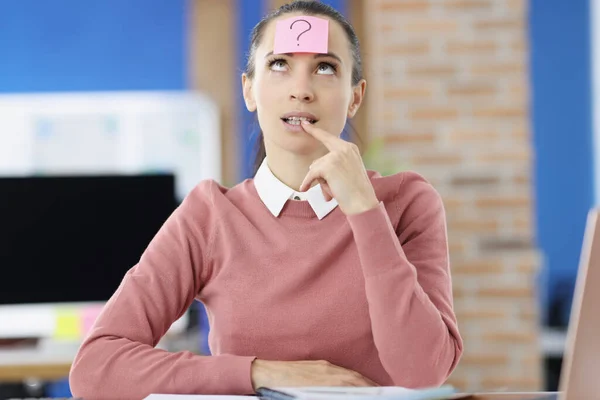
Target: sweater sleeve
[
  {"x": 408, "y": 286},
  {"x": 118, "y": 358}
]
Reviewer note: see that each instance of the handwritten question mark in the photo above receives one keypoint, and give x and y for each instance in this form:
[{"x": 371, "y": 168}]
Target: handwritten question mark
[{"x": 303, "y": 32}]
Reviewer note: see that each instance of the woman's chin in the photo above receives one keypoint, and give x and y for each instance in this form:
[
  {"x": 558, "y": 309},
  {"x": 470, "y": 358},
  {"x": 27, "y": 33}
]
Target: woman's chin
[{"x": 300, "y": 146}]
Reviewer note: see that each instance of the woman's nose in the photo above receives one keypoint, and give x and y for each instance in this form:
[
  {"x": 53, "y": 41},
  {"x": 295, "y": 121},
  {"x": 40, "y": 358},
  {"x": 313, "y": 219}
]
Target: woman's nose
[{"x": 302, "y": 91}]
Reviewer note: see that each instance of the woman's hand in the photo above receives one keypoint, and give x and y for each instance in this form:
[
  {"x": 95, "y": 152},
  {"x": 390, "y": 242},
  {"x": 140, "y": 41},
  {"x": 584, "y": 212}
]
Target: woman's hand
[
  {"x": 304, "y": 373},
  {"x": 341, "y": 173}
]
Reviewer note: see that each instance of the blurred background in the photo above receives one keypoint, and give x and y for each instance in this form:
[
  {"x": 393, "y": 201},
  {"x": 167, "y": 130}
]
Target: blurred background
[{"x": 110, "y": 112}]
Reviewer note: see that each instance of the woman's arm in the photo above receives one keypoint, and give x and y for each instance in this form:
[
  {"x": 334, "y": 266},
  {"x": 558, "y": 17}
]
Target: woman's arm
[
  {"x": 118, "y": 359},
  {"x": 408, "y": 286}
]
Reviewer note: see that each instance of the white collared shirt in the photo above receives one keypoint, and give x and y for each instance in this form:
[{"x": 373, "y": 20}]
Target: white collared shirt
[{"x": 274, "y": 193}]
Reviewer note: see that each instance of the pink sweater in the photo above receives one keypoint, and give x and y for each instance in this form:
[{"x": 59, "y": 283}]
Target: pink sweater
[{"x": 369, "y": 292}]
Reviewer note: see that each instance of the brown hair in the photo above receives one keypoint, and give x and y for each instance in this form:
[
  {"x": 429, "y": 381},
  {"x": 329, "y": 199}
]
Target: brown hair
[{"x": 307, "y": 7}]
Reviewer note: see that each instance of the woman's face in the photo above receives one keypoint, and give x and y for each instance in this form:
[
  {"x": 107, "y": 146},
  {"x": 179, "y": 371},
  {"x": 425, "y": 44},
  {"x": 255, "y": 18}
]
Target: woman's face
[{"x": 313, "y": 86}]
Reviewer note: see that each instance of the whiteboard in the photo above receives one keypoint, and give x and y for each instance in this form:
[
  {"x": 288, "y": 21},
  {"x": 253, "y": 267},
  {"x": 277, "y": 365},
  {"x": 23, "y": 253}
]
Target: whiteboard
[{"x": 111, "y": 133}]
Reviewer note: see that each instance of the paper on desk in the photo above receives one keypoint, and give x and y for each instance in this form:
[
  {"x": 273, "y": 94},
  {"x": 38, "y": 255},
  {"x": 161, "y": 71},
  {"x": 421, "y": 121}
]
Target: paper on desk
[
  {"x": 365, "y": 393},
  {"x": 195, "y": 397}
]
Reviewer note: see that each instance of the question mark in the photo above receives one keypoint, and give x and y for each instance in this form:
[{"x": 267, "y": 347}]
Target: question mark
[{"x": 303, "y": 32}]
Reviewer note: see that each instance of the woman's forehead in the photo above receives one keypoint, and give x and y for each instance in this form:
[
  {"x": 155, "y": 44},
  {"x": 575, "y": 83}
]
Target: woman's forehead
[{"x": 337, "y": 40}]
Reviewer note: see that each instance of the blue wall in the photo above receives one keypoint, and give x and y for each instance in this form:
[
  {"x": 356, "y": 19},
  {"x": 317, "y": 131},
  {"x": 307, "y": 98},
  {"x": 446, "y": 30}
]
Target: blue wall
[
  {"x": 74, "y": 45},
  {"x": 561, "y": 78}
]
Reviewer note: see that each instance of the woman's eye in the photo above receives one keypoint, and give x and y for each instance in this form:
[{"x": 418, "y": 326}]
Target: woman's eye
[
  {"x": 326, "y": 69},
  {"x": 278, "y": 65}
]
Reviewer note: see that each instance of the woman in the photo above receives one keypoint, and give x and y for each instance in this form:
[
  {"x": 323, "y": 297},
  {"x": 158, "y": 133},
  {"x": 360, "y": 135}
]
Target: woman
[{"x": 315, "y": 272}]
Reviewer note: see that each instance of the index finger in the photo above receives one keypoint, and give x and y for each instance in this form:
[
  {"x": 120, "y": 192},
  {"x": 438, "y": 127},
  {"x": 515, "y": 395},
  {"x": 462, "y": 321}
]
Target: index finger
[{"x": 330, "y": 141}]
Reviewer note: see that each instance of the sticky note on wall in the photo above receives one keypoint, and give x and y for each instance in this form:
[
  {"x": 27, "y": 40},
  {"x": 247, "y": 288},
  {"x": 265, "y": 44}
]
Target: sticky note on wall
[
  {"x": 88, "y": 317},
  {"x": 68, "y": 324}
]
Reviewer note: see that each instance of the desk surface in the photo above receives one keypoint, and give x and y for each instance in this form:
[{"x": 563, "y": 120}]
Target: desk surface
[{"x": 45, "y": 372}]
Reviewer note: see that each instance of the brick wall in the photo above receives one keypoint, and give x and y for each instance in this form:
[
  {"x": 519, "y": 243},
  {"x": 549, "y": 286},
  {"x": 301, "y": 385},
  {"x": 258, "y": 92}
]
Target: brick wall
[{"x": 448, "y": 94}]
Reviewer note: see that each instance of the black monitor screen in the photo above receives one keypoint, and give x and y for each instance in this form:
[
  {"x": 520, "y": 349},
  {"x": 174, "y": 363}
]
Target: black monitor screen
[{"x": 71, "y": 239}]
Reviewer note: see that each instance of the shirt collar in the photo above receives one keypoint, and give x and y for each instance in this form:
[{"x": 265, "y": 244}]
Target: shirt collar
[{"x": 274, "y": 193}]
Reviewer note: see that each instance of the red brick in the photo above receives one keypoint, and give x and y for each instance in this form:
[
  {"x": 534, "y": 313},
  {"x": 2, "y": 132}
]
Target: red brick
[
  {"x": 499, "y": 69},
  {"x": 517, "y": 383},
  {"x": 511, "y": 292},
  {"x": 458, "y": 293},
  {"x": 388, "y": 115},
  {"x": 428, "y": 26},
  {"x": 472, "y": 225},
  {"x": 408, "y": 92},
  {"x": 528, "y": 268},
  {"x": 414, "y": 48},
  {"x": 478, "y": 315},
  {"x": 463, "y": 136},
  {"x": 457, "y": 247},
  {"x": 528, "y": 315},
  {"x": 477, "y": 267},
  {"x": 475, "y": 47},
  {"x": 498, "y": 24},
  {"x": 500, "y": 112},
  {"x": 471, "y": 89},
  {"x": 431, "y": 71},
  {"x": 521, "y": 179},
  {"x": 434, "y": 113},
  {"x": 459, "y": 383},
  {"x": 533, "y": 360},
  {"x": 409, "y": 137},
  {"x": 509, "y": 202},
  {"x": 527, "y": 337},
  {"x": 521, "y": 134},
  {"x": 482, "y": 359},
  {"x": 404, "y": 6},
  {"x": 436, "y": 159},
  {"x": 468, "y": 5},
  {"x": 523, "y": 224},
  {"x": 503, "y": 157},
  {"x": 474, "y": 180},
  {"x": 519, "y": 90},
  {"x": 517, "y": 6},
  {"x": 453, "y": 204},
  {"x": 519, "y": 45},
  {"x": 499, "y": 244}
]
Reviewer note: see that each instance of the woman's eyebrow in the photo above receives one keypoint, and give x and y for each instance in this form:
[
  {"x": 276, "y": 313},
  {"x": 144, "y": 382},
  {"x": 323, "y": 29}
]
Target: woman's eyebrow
[
  {"x": 332, "y": 55},
  {"x": 318, "y": 55}
]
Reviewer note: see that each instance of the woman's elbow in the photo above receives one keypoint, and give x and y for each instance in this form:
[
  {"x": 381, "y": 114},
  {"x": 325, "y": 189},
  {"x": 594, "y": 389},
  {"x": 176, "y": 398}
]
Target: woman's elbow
[
  {"x": 79, "y": 382},
  {"x": 85, "y": 380},
  {"x": 447, "y": 363},
  {"x": 430, "y": 373}
]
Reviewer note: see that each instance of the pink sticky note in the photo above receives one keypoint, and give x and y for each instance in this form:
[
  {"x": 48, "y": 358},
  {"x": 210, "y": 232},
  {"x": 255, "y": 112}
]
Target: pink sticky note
[
  {"x": 301, "y": 34},
  {"x": 89, "y": 315}
]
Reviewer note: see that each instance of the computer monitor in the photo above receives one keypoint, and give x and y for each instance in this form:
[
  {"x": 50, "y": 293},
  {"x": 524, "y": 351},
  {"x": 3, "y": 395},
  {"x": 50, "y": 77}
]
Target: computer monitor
[
  {"x": 72, "y": 238},
  {"x": 69, "y": 240}
]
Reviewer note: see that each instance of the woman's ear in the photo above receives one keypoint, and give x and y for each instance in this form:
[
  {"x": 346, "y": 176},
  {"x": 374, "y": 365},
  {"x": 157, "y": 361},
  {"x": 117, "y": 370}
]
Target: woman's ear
[
  {"x": 248, "y": 95},
  {"x": 358, "y": 94}
]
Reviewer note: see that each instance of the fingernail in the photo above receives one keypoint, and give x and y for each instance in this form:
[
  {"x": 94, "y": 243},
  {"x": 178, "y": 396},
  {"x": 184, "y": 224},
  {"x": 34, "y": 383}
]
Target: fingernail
[{"x": 305, "y": 122}]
